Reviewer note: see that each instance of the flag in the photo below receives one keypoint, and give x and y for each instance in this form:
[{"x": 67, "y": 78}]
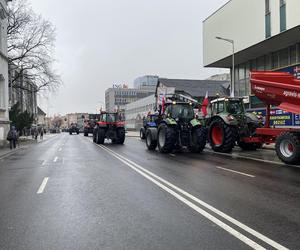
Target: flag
[{"x": 204, "y": 105}]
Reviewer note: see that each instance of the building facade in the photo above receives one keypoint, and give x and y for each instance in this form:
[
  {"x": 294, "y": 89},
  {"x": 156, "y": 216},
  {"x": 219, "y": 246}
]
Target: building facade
[
  {"x": 4, "y": 97},
  {"x": 265, "y": 35},
  {"x": 145, "y": 82},
  {"x": 135, "y": 111},
  {"x": 22, "y": 91},
  {"x": 117, "y": 97}
]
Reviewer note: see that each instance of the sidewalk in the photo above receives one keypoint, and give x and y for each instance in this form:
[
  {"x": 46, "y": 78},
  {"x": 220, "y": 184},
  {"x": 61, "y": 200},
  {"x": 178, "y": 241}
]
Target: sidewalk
[{"x": 23, "y": 141}]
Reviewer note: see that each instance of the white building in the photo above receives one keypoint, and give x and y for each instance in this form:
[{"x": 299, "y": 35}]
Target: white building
[
  {"x": 4, "y": 98},
  {"x": 265, "y": 35},
  {"x": 135, "y": 111}
]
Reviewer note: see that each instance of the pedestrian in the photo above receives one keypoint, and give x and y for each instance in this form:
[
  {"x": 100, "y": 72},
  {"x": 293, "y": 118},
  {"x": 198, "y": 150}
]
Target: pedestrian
[
  {"x": 42, "y": 134},
  {"x": 12, "y": 137}
]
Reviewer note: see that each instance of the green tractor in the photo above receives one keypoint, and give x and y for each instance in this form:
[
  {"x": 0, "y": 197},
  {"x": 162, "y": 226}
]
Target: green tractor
[
  {"x": 229, "y": 124},
  {"x": 177, "y": 127}
]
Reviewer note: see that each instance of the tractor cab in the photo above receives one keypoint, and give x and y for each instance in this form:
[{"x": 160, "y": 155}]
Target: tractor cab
[
  {"x": 180, "y": 111},
  {"x": 232, "y": 106},
  {"x": 110, "y": 118}
]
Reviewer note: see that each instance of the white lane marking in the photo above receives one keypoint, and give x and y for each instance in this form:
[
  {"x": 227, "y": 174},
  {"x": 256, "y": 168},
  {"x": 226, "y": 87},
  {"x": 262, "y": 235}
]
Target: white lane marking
[
  {"x": 172, "y": 155},
  {"x": 60, "y": 149},
  {"x": 210, "y": 217},
  {"x": 204, "y": 204},
  {"x": 234, "y": 155},
  {"x": 236, "y": 172},
  {"x": 43, "y": 185},
  {"x": 44, "y": 163},
  {"x": 55, "y": 159}
]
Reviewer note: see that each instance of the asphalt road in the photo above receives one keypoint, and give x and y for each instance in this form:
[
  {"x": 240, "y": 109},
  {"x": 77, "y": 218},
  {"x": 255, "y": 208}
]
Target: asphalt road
[{"x": 68, "y": 193}]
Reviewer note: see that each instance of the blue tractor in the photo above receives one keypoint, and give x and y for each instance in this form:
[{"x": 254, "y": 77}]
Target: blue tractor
[{"x": 148, "y": 122}]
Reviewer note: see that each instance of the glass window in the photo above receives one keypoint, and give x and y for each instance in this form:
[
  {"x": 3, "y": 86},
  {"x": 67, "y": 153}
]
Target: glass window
[
  {"x": 261, "y": 63},
  {"x": 241, "y": 71},
  {"x": 267, "y": 6},
  {"x": 275, "y": 60},
  {"x": 268, "y": 25},
  {"x": 298, "y": 52},
  {"x": 220, "y": 107},
  {"x": 293, "y": 54},
  {"x": 282, "y": 15},
  {"x": 284, "y": 57},
  {"x": 268, "y": 62}
]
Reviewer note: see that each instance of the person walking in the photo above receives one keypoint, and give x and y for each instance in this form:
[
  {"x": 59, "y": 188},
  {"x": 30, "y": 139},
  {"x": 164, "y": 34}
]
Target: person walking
[
  {"x": 42, "y": 134},
  {"x": 12, "y": 137}
]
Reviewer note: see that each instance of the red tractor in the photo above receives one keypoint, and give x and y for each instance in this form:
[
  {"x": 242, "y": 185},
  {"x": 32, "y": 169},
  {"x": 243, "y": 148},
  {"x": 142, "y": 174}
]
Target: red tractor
[{"x": 111, "y": 126}]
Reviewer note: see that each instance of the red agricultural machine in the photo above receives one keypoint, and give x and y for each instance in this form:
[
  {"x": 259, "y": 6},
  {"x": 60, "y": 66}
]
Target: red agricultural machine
[{"x": 282, "y": 90}]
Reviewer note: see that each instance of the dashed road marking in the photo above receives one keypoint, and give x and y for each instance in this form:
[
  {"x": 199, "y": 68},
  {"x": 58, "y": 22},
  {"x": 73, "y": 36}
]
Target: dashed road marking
[
  {"x": 173, "y": 155},
  {"x": 170, "y": 188},
  {"x": 43, "y": 185},
  {"x": 44, "y": 163},
  {"x": 55, "y": 159},
  {"x": 236, "y": 172},
  {"x": 60, "y": 149}
]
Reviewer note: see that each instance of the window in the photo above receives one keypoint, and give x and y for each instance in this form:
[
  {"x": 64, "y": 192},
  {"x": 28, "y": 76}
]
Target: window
[
  {"x": 282, "y": 15},
  {"x": 268, "y": 19},
  {"x": 293, "y": 54},
  {"x": 284, "y": 57},
  {"x": 275, "y": 60}
]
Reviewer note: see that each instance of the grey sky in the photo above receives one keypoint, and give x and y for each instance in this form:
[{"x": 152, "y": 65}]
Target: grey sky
[{"x": 101, "y": 42}]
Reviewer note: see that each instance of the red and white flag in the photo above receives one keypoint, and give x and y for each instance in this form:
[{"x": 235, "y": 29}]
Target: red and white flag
[{"x": 204, "y": 105}]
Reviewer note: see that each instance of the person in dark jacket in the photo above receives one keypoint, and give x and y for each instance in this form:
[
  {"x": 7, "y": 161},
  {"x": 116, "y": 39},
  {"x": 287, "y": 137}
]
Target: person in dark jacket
[{"x": 12, "y": 137}]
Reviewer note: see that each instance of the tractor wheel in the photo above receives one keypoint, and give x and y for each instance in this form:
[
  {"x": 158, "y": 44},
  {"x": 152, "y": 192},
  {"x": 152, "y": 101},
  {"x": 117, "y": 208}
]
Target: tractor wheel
[
  {"x": 221, "y": 136},
  {"x": 249, "y": 146},
  {"x": 288, "y": 147},
  {"x": 120, "y": 136},
  {"x": 166, "y": 138},
  {"x": 95, "y": 135},
  {"x": 151, "y": 144},
  {"x": 142, "y": 133},
  {"x": 86, "y": 134},
  {"x": 100, "y": 136},
  {"x": 70, "y": 133},
  {"x": 199, "y": 137}
]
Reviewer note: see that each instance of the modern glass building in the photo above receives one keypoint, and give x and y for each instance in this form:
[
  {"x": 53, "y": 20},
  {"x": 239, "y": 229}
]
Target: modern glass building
[{"x": 265, "y": 35}]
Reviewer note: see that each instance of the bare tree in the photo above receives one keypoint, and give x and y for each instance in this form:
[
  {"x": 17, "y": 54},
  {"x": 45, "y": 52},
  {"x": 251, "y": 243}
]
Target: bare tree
[{"x": 30, "y": 48}]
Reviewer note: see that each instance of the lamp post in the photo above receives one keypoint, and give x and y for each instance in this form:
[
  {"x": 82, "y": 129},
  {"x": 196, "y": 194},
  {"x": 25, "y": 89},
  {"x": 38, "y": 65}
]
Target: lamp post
[{"x": 232, "y": 87}]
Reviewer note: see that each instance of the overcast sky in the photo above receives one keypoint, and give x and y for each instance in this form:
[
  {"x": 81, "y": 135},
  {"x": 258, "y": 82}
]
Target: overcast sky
[{"x": 102, "y": 42}]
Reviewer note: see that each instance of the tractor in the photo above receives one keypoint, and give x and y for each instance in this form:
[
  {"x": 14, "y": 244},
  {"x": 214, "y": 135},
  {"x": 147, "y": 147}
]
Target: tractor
[
  {"x": 177, "y": 126},
  {"x": 229, "y": 124},
  {"x": 73, "y": 129},
  {"x": 110, "y": 126},
  {"x": 148, "y": 122}
]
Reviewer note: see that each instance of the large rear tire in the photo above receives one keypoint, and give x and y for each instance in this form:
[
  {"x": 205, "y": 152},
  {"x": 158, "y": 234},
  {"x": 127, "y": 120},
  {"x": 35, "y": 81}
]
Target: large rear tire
[
  {"x": 120, "y": 136},
  {"x": 166, "y": 138},
  {"x": 221, "y": 136},
  {"x": 142, "y": 133},
  {"x": 150, "y": 142},
  {"x": 100, "y": 136},
  {"x": 95, "y": 135},
  {"x": 198, "y": 140},
  {"x": 288, "y": 147},
  {"x": 86, "y": 134}
]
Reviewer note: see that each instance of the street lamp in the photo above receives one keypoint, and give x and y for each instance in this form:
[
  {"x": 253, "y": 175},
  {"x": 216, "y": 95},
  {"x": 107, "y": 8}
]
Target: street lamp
[{"x": 232, "y": 87}]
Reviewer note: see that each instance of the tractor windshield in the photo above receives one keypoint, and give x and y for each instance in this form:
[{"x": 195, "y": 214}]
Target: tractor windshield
[
  {"x": 182, "y": 111},
  {"x": 235, "y": 107}
]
